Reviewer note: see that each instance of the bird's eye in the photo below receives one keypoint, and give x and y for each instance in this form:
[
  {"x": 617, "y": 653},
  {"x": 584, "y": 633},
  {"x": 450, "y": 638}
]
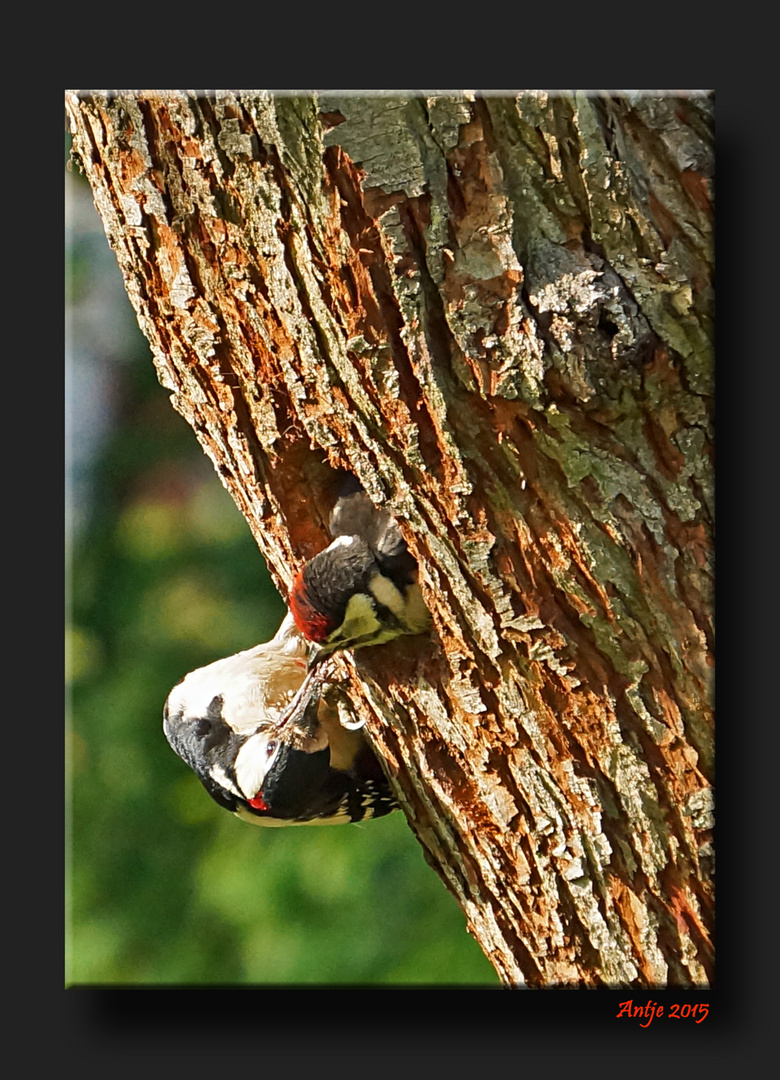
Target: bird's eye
[{"x": 271, "y": 748}]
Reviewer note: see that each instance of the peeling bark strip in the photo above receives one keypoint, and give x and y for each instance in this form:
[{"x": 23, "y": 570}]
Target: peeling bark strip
[{"x": 497, "y": 312}]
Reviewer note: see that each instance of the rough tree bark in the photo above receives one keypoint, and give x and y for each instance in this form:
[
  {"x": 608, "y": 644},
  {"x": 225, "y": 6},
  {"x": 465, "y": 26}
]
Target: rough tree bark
[{"x": 496, "y": 312}]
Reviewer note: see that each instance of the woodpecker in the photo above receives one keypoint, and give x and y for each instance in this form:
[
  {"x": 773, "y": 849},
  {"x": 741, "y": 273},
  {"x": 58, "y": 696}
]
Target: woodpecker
[
  {"x": 265, "y": 746},
  {"x": 362, "y": 589}
]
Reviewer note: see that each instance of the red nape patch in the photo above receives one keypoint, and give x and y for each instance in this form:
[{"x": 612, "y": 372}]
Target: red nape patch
[
  {"x": 313, "y": 624},
  {"x": 258, "y": 804}
]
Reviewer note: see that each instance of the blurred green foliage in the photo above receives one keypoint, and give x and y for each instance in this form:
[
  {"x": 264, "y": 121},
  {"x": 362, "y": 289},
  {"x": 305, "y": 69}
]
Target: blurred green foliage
[{"x": 164, "y": 887}]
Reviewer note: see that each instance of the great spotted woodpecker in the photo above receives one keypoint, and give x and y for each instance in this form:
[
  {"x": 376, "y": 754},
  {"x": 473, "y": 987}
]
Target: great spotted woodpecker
[
  {"x": 362, "y": 589},
  {"x": 254, "y": 729}
]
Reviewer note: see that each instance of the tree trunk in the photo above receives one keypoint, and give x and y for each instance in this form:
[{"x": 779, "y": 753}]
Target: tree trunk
[{"x": 496, "y": 312}]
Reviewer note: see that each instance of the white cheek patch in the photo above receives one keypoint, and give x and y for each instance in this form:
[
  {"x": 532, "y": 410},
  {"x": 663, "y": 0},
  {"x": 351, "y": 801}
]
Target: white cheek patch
[
  {"x": 387, "y": 594},
  {"x": 252, "y": 765},
  {"x": 218, "y": 774}
]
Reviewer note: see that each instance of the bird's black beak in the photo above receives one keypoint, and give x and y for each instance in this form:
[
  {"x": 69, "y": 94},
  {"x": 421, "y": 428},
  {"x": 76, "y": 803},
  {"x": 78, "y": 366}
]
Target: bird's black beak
[
  {"x": 302, "y": 710},
  {"x": 318, "y": 658}
]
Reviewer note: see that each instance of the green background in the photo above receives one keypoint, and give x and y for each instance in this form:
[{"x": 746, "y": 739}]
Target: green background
[{"x": 163, "y": 886}]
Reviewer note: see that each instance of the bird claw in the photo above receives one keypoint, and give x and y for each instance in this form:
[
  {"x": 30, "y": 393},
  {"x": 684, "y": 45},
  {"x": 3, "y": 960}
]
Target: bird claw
[{"x": 352, "y": 725}]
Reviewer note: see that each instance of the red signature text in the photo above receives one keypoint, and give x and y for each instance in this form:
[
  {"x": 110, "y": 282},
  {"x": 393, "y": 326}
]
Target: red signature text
[{"x": 645, "y": 1014}]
